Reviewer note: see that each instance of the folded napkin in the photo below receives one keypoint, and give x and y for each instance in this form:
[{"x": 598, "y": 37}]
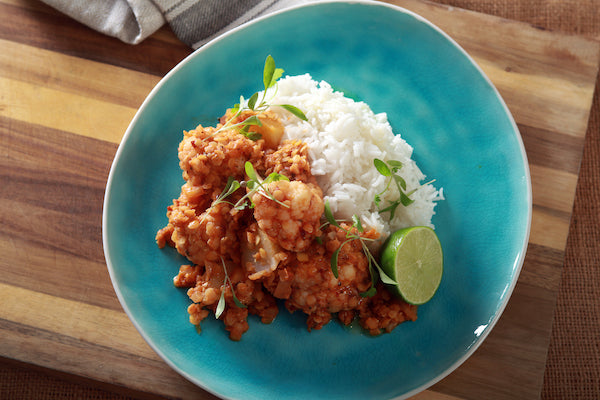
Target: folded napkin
[{"x": 193, "y": 21}]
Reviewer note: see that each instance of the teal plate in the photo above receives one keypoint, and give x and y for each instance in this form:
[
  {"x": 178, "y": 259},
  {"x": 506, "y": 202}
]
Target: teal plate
[{"x": 463, "y": 136}]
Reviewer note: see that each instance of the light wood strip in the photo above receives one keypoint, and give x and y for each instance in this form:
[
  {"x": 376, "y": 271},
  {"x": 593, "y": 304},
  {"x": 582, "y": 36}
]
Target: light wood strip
[
  {"x": 63, "y": 111},
  {"x": 548, "y": 230},
  {"x": 92, "y": 324},
  {"x": 540, "y": 100},
  {"x": 74, "y": 75},
  {"x": 552, "y": 188}
]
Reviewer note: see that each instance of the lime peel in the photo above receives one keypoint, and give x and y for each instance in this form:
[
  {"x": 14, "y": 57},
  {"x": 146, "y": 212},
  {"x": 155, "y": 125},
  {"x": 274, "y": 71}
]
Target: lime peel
[{"x": 413, "y": 257}]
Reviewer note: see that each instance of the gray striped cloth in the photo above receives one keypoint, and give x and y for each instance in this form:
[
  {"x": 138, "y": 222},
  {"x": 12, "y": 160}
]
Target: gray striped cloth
[{"x": 195, "y": 22}]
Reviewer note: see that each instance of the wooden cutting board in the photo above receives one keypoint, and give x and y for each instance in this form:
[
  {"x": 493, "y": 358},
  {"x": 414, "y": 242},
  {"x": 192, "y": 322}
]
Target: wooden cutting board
[{"x": 67, "y": 95}]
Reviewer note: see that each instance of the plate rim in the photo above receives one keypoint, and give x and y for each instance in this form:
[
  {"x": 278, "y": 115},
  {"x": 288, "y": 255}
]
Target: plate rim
[{"x": 196, "y": 53}]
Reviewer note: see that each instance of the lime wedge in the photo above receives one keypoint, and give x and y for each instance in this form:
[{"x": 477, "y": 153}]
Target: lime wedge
[{"x": 413, "y": 258}]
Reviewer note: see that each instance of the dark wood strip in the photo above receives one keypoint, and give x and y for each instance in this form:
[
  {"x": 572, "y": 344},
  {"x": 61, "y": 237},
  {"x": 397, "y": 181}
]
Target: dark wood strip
[
  {"x": 24, "y": 381},
  {"x": 44, "y": 269},
  {"x": 49, "y": 151},
  {"x": 53, "y": 187},
  {"x": 514, "y": 351},
  {"x": 57, "y": 32},
  {"x": 25, "y": 330},
  {"x": 542, "y": 267},
  {"x": 45, "y": 383},
  {"x": 551, "y": 149},
  {"x": 72, "y": 355},
  {"x": 51, "y": 197}
]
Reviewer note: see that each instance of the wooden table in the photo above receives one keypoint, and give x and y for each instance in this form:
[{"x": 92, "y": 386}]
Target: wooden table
[{"x": 67, "y": 95}]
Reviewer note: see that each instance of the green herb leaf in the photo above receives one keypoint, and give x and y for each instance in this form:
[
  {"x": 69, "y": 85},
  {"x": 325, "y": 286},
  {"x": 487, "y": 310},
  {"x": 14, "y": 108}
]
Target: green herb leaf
[
  {"x": 372, "y": 272},
  {"x": 388, "y": 208},
  {"x": 235, "y": 299},
  {"x": 268, "y": 71},
  {"x": 377, "y": 200},
  {"x": 250, "y": 170},
  {"x": 395, "y": 164},
  {"x": 274, "y": 177},
  {"x": 382, "y": 167},
  {"x": 334, "y": 261},
  {"x": 252, "y": 101},
  {"x": 356, "y": 223},
  {"x": 329, "y": 215},
  {"x": 405, "y": 200},
  {"x": 252, "y": 120},
  {"x": 391, "y": 208},
  {"x": 254, "y": 136},
  {"x": 231, "y": 186},
  {"x": 228, "y": 186},
  {"x": 240, "y": 205},
  {"x": 220, "y": 304},
  {"x": 394, "y": 208},
  {"x": 276, "y": 75},
  {"x": 384, "y": 277},
  {"x": 369, "y": 293},
  {"x": 400, "y": 181},
  {"x": 294, "y": 110}
]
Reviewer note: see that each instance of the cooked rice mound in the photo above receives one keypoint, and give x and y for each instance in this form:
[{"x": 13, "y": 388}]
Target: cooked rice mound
[
  {"x": 343, "y": 138},
  {"x": 280, "y": 251}
]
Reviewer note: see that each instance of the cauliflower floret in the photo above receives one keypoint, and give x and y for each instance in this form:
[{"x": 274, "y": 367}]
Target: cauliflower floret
[{"x": 295, "y": 225}]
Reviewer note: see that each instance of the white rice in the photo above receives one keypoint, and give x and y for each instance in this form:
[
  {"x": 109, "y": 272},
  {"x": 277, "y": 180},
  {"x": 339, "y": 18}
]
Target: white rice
[{"x": 344, "y": 137}]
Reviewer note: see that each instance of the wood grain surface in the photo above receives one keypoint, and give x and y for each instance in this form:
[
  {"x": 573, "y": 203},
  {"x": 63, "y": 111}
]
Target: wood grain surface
[{"x": 67, "y": 95}]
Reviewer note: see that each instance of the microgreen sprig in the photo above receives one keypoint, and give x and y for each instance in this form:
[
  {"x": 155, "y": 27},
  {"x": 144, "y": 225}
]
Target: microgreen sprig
[
  {"x": 375, "y": 270},
  {"x": 231, "y": 186},
  {"x": 221, "y": 304},
  {"x": 390, "y": 170},
  {"x": 270, "y": 76},
  {"x": 257, "y": 185}
]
